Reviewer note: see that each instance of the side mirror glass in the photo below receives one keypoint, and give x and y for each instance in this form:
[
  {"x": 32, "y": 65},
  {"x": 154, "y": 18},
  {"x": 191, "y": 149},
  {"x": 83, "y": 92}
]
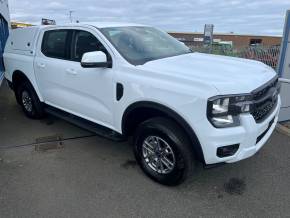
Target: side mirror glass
[{"x": 94, "y": 59}]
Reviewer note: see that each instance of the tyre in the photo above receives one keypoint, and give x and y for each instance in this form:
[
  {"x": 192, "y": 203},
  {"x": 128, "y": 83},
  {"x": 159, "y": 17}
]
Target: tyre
[
  {"x": 29, "y": 101},
  {"x": 163, "y": 151}
]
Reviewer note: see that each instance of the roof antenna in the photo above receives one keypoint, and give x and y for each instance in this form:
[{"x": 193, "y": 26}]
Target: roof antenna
[{"x": 70, "y": 16}]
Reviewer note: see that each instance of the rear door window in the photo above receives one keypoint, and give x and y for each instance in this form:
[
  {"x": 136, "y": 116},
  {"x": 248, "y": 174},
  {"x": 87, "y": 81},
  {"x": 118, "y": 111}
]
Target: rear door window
[{"x": 56, "y": 44}]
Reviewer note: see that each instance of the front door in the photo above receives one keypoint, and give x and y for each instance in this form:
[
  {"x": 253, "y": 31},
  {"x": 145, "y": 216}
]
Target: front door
[{"x": 86, "y": 92}]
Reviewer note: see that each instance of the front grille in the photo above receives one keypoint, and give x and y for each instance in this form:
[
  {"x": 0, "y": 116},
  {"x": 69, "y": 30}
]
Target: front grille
[
  {"x": 265, "y": 99},
  {"x": 261, "y": 112}
]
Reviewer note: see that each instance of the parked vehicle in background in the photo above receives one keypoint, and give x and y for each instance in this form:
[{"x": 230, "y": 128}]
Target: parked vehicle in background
[
  {"x": 122, "y": 80},
  {"x": 222, "y": 48}
]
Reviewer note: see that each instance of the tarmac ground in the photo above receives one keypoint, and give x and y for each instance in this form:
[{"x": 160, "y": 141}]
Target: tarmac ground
[{"x": 88, "y": 176}]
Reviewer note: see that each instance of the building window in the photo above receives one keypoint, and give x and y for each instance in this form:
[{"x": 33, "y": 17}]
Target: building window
[{"x": 254, "y": 42}]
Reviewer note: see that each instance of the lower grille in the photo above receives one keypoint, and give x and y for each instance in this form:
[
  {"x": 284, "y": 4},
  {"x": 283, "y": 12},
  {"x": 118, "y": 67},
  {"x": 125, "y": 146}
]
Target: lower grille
[{"x": 265, "y": 132}]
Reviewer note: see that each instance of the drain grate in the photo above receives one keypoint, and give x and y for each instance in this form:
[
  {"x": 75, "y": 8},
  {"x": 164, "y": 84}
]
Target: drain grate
[{"x": 49, "y": 143}]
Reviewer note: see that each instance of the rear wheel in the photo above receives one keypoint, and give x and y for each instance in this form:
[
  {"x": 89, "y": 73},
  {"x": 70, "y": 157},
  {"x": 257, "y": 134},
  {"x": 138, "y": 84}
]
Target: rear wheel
[
  {"x": 29, "y": 101},
  {"x": 163, "y": 151}
]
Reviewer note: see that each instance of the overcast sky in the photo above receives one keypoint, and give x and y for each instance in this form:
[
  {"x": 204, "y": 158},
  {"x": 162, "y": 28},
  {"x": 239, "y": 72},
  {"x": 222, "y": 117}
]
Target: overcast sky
[{"x": 239, "y": 16}]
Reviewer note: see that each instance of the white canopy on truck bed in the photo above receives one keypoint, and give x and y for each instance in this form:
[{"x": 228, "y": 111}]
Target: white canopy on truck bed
[{"x": 23, "y": 40}]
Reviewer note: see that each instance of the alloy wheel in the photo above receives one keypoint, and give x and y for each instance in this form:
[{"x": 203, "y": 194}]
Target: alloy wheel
[
  {"x": 27, "y": 101},
  {"x": 158, "y": 154}
]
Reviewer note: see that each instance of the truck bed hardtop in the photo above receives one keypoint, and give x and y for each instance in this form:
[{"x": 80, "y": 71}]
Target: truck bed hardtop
[{"x": 23, "y": 40}]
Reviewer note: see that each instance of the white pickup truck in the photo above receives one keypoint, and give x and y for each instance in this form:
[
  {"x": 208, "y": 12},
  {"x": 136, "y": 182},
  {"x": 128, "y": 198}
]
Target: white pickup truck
[{"x": 121, "y": 80}]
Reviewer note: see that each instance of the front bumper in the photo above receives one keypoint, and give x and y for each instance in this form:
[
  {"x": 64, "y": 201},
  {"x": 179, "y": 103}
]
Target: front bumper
[{"x": 250, "y": 136}]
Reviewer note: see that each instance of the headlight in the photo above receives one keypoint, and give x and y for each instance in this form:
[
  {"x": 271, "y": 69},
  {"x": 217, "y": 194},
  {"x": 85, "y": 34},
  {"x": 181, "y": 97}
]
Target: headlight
[{"x": 223, "y": 111}]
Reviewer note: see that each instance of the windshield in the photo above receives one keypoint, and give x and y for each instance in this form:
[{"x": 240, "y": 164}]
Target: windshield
[{"x": 139, "y": 45}]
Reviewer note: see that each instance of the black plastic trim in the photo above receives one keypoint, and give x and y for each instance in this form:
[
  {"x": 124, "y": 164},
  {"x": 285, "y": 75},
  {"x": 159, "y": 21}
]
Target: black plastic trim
[
  {"x": 85, "y": 124},
  {"x": 119, "y": 91},
  {"x": 97, "y": 65},
  {"x": 260, "y": 137},
  {"x": 232, "y": 150},
  {"x": 171, "y": 114},
  {"x": 265, "y": 85}
]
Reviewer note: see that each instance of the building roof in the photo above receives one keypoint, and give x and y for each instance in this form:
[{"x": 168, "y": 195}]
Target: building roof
[
  {"x": 222, "y": 34},
  {"x": 110, "y": 24}
]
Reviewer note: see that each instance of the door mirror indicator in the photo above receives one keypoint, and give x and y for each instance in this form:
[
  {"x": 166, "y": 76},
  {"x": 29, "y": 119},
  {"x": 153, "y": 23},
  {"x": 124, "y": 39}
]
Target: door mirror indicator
[{"x": 95, "y": 59}]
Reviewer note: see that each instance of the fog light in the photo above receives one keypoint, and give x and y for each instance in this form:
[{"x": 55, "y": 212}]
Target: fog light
[{"x": 227, "y": 151}]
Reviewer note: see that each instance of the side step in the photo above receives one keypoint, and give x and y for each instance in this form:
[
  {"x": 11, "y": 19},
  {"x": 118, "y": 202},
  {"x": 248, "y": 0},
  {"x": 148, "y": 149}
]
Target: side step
[{"x": 85, "y": 124}]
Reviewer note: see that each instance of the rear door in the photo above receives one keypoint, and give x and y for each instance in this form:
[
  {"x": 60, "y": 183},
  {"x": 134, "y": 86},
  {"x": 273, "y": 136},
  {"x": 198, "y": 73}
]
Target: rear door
[{"x": 51, "y": 64}]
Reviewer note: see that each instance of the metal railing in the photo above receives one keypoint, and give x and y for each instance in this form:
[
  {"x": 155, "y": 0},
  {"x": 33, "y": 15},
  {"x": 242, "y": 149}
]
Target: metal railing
[{"x": 267, "y": 55}]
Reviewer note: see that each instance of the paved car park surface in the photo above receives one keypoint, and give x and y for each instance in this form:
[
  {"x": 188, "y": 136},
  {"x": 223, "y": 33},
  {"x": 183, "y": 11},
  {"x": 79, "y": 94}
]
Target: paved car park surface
[{"x": 88, "y": 176}]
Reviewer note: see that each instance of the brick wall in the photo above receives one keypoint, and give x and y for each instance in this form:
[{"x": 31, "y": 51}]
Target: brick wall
[{"x": 239, "y": 41}]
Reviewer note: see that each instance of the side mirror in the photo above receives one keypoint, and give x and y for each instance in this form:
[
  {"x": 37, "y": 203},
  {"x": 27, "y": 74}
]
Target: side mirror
[{"x": 95, "y": 59}]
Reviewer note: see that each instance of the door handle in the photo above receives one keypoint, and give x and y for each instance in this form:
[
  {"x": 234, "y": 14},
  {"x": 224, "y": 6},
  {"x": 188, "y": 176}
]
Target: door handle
[
  {"x": 41, "y": 65},
  {"x": 71, "y": 72}
]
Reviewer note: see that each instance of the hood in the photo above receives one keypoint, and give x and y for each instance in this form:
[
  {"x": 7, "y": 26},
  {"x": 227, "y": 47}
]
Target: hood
[{"x": 228, "y": 75}]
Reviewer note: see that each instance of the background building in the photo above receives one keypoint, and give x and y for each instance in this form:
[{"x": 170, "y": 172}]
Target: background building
[
  {"x": 4, "y": 32},
  {"x": 238, "y": 41}
]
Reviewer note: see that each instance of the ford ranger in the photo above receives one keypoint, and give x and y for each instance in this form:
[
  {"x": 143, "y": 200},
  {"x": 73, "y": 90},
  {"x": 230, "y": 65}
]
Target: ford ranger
[{"x": 121, "y": 80}]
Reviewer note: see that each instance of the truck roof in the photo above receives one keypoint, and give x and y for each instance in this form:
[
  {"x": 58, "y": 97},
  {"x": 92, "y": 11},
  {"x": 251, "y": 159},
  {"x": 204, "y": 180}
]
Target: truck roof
[{"x": 95, "y": 24}]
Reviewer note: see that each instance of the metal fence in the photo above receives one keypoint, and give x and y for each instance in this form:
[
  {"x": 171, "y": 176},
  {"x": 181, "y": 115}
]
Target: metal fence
[{"x": 267, "y": 55}]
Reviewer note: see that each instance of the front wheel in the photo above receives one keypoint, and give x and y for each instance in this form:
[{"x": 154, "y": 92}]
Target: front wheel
[{"x": 163, "y": 151}]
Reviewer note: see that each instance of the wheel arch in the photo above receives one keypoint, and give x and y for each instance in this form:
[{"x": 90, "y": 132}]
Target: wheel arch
[
  {"x": 18, "y": 77},
  {"x": 146, "y": 110}
]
